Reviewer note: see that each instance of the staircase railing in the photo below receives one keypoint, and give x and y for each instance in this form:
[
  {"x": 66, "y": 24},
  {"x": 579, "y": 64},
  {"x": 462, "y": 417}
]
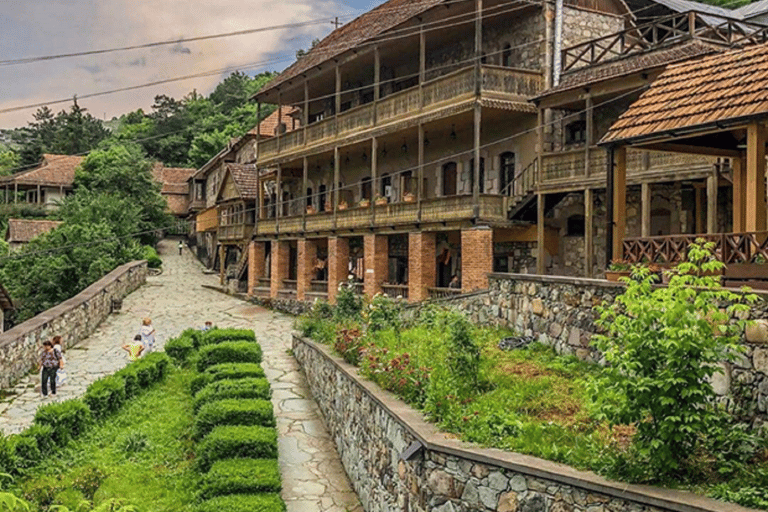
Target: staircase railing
[{"x": 521, "y": 184}]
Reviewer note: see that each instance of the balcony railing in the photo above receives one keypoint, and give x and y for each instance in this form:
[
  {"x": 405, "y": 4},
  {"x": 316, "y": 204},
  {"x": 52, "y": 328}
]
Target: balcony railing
[
  {"x": 235, "y": 232},
  {"x": 440, "y": 209},
  {"x": 395, "y": 291},
  {"x": 442, "y": 293},
  {"x": 500, "y": 82},
  {"x": 730, "y": 248},
  {"x": 567, "y": 165}
]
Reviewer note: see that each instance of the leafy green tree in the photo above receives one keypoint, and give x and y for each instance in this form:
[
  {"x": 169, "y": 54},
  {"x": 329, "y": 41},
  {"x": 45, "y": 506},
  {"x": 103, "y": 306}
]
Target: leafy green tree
[
  {"x": 9, "y": 161},
  {"x": 662, "y": 346}
]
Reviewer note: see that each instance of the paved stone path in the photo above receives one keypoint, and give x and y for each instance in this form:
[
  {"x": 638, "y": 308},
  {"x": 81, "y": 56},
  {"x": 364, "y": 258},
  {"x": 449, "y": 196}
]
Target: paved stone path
[{"x": 313, "y": 478}]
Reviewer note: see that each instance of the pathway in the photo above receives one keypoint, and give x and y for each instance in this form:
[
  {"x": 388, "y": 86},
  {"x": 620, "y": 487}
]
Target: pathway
[{"x": 313, "y": 478}]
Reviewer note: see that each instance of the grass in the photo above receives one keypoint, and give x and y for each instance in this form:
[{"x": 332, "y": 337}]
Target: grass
[{"x": 141, "y": 455}]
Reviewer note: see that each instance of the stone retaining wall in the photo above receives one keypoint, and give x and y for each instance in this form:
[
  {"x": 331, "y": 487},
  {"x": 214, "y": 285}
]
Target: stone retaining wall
[
  {"x": 73, "y": 319},
  {"x": 558, "y": 311},
  {"x": 372, "y": 429}
]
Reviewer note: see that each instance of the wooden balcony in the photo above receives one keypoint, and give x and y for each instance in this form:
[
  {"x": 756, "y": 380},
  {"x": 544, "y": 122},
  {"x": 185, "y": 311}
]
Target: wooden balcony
[
  {"x": 436, "y": 210},
  {"x": 496, "y": 82},
  {"x": 570, "y": 167},
  {"x": 235, "y": 232}
]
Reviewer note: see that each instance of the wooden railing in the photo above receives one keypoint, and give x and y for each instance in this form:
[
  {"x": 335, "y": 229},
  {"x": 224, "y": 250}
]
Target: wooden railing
[
  {"x": 395, "y": 291},
  {"x": 318, "y": 286},
  {"x": 730, "y": 248},
  {"x": 235, "y": 232},
  {"x": 515, "y": 84},
  {"x": 441, "y": 293},
  {"x": 664, "y": 32}
]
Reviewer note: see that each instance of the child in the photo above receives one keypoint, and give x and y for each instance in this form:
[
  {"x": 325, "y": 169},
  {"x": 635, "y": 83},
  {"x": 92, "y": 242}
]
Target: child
[
  {"x": 134, "y": 349},
  {"x": 147, "y": 333},
  {"x": 208, "y": 326}
]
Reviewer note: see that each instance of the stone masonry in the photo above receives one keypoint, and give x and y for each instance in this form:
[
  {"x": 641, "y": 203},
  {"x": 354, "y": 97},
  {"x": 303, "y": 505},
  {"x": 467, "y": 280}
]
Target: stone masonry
[{"x": 73, "y": 320}]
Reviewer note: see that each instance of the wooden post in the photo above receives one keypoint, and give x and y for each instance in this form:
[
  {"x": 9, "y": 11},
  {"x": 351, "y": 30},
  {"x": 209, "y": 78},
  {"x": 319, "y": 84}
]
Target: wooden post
[
  {"x": 712, "y": 203},
  {"x": 478, "y": 107},
  {"x": 335, "y": 187},
  {"x": 645, "y": 209},
  {"x": 38, "y": 194},
  {"x": 609, "y": 217},
  {"x": 279, "y": 118},
  {"x": 258, "y": 130},
  {"x": 540, "y": 233},
  {"x": 338, "y": 92},
  {"x": 304, "y": 182},
  {"x": 420, "y": 172},
  {"x": 589, "y": 244},
  {"x": 376, "y": 83},
  {"x": 699, "y": 200},
  {"x": 15, "y": 192},
  {"x": 539, "y": 145},
  {"x": 589, "y": 137},
  {"x": 755, "y": 183},
  {"x": 278, "y": 196},
  {"x": 222, "y": 264},
  {"x": 619, "y": 202},
  {"x": 422, "y": 64},
  {"x": 305, "y": 114},
  {"x": 374, "y": 175},
  {"x": 739, "y": 195}
]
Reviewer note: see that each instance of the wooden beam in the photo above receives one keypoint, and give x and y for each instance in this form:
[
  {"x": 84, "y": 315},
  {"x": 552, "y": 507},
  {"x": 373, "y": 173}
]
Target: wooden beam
[
  {"x": 739, "y": 195},
  {"x": 699, "y": 198},
  {"x": 374, "y": 176},
  {"x": 589, "y": 244},
  {"x": 645, "y": 207},
  {"x": 589, "y": 135},
  {"x": 755, "y": 183},
  {"x": 420, "y": 171},
  {"x": 712, "y": 203},
  {"x": 687, "y": 148},
  {"x": 619, "y": 202},
  {"x": 540, "y": 234}
]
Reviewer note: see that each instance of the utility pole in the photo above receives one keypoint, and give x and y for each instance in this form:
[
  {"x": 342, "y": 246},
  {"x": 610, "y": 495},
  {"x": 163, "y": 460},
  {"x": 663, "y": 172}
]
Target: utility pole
[{"x": 336, "y": 22}]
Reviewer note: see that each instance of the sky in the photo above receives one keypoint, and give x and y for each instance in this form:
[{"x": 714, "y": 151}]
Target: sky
[{"x": 36, "y": 28}]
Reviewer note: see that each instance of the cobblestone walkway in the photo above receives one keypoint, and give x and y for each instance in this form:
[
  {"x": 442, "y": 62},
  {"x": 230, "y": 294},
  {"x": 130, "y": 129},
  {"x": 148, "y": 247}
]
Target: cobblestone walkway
[{"x": 313, "y": 478}]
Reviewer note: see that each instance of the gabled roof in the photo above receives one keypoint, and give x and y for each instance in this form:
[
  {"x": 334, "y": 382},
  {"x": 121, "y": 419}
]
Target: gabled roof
[
  {"x": 717, "y": 89},
  {"x": 24, "y": 230},
  {"x": 268, "y": 127},
  {"x": 54, "y": 170},
  {"x": 363, "y": 28},
  {"x": 753, "y": 9},
  {"x": 172, "y": 179},
  {"x": 244, "y": 178}
]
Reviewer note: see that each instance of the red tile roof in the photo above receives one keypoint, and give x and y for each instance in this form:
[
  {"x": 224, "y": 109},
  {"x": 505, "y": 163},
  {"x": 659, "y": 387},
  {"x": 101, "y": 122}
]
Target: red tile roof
[
  {"x": 55, "y": 170},
  {"x": 172, "y": 179},
  {"x": 714, "y": 89},
  {"x": 245, "y": 180},
  {"x": 268, "y": 127},
  {"x": 24, "y": 230}
]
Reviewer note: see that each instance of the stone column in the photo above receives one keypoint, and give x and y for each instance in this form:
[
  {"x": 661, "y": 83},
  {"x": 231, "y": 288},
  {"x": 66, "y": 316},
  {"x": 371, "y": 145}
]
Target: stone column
[
  {"x": 338, "y": 265},
  {"x": 422, "y": 267},
  {"x": 256, "y": 265},
  {"x": 280, "y": 258},
  {"x": 376, "y": 253},
  {"x": 307, "y": 256},
  {"x": 476, "y": 258}
]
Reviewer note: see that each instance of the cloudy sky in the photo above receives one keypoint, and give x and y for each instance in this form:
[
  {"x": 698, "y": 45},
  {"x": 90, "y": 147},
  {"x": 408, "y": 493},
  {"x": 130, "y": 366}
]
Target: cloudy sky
[{"x": 34, "y": 28}]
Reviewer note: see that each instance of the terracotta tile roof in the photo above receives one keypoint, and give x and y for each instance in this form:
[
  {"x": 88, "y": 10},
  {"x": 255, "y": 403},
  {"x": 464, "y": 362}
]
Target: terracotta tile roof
[
  {"x": 172, "y": 179},
  {"x": 268, "y": 127},
  {"x": 363, "y": 28},
  {"x": 632, "y": 64},
  {"x": 178, "y": 204},
  {"x": 24, "y": 230},
  {"x": 716, "y": 88},
  {"x": 245, "y": 180},
  {"x": 55, "y": 170}
]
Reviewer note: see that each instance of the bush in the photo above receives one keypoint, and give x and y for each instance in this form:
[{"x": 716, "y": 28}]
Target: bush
[
  {"x": 149, "y": 369},
  {"x": 228, "y": 442},
  {"x": 67, "y": 419},
  {"x": 349, "y": 304},
  {"x": 25, "y": 451},
  {"x": 216, "y": 336},
  {"x": 199, "y": 381},
  {"x": 43, "y": 434},
  {"x": 105, "y": 396},
  {"x": 150, "y": 254},
  {"x": 229, "y": 371},
  {"x": 179, "y": 349},
  {"x": 237, "y": 388},
  {"x": 233, "y": 411},
  {"x": 240, "y": 476},
  {"x": 130, "y": 381},
  {"x": 7, "y": 458},
  {"x": 228, "y": 352},
  {"x": 243, "y": 503}
]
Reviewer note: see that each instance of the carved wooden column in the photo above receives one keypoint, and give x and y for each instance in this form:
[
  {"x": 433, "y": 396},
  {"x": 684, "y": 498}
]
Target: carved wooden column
[
  {"x": 755, "y": 183},
  {"x": 619, "y": 202}
]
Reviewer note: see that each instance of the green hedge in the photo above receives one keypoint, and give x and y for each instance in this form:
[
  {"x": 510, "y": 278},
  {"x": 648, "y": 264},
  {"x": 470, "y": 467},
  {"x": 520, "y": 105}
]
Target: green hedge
[
  {"x": 233, "y": 412},
  {"x": 130, "y": 381},
  {"x": 243, "y": 503},
  {"x": 227, "y": 442},
  {"x": 150, "y": 254},
  {"x": 216, "y": 336},
  {"x": 147, "y": 370},
  {"x": 7, "y": 457},
  {"x": 105, "y": 396},
  {"x": 67, "y": 419},
  {"x": 237, "y": 388},
  {"x": 226, "y": 371},
  {"x": 240, "y": 476},
  {"x": 228, "y": 352},
  {"x": 180, "y": 348}
]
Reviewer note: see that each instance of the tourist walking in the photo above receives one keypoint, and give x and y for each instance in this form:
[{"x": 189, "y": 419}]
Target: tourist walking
[
  {"x": 135, "y": 348},
  {"x": 181, "y": 246},
  {"x": 147, "y": 333},
  {"x": 61, "y": 375},
  {"x": 49, "y": 363}
]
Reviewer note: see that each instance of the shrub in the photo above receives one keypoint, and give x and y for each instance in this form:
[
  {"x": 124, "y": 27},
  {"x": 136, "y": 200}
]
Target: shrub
[
  {"x": 228, "y": 352},
  {"x": 233, "y": 412},
  {"x": 349, "y": 304},
  {"x": 43, "y": 434},
  {"x": 384, "y": 313},
  {"x": 663, "y": 346},
  {"x": 105, "y": 396},
  {"x": 25, "y": 451},
  {"x": 150, "y": 254},
  {"x": 179, "y": 349},
  {"x": 237, "y": 388},
  {"x": 243, "y": 503},
  {"x": 216, "y": 336},
  {"x": 130, "y": 380},
  {"x": 240, "y": 476},
  {"x": 149, "y": 369},
  {"x": 227, "y": 442},
  {"x": 235, "y": 371},
  {"x": 67, "y": 419},
  {"x": 349, "y": 344},
  {"x": 199, "y": 381},
  {"x": 7, "y": 462}
]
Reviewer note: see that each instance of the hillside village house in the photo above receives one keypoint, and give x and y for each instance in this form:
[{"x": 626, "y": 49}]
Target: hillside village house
[
  {"x": 441, "y": 141},
  {"x": 22, "y": 231}
]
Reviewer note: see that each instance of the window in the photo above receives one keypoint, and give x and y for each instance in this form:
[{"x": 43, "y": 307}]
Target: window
[
  {"x": 321, "y": 204},
  {"x": 575, "y": 225},
  {"x": 365, "y": 188},
  {"x": 386, "y": 185},
  {"x": 309, "y": 196},
  {"x": 449, "y": 179},
  {"x": 506, "y": 56},
  {"x": 506, "y": 172},
  {"x": 576, "y": 132}
]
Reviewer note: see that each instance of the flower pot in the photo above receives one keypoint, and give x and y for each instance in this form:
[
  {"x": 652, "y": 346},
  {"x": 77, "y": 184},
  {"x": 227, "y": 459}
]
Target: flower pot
[
  {"x": 409, "y": 198},
  {"x": 328, "y": 207},
  {"x": 365, "y": 203},
  {"x": 614, "y": 275},
  {"x": 382, "y": 201},
  {"x": 342, "y": 206},
  {"x": 311, "y": 210}
]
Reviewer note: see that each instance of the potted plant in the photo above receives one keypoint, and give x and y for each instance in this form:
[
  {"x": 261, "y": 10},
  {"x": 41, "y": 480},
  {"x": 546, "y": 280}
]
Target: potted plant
[
  {"x": 328, "y": 206},
  {"x": 380, "y": 200},
  {"x": 365, "y": 203},
  {"x": 617, "y": 269},
  {"x": 342, "y": 205},
  {"x": 311, "y": 209},
  {"x": 409, "y": 197}
]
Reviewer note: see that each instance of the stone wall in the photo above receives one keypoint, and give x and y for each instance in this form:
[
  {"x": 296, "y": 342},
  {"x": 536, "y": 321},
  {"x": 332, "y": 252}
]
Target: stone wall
[
  {"x": 372, "y": 430},
  {"x": 73, "y": 320},
  {"x": 559, "y": 312}
]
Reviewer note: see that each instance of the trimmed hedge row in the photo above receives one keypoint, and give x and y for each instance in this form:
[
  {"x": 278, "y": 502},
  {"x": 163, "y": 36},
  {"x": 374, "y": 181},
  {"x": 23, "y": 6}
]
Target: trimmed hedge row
[
  {"x": 236, "y": 388},
  {"x": 225, "y": 371},
  {"x": 181, "y": 348},
  {"x": 55, "y": 424},
  {"x": 233, "y": 412},
  {"x": 233, "y": 441},
  {"x": 216, "y": 336},
  {"x": 243, "y": 503},
  {"x": 228, "y": 352},
  {"x": 240, "y": 476}
]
